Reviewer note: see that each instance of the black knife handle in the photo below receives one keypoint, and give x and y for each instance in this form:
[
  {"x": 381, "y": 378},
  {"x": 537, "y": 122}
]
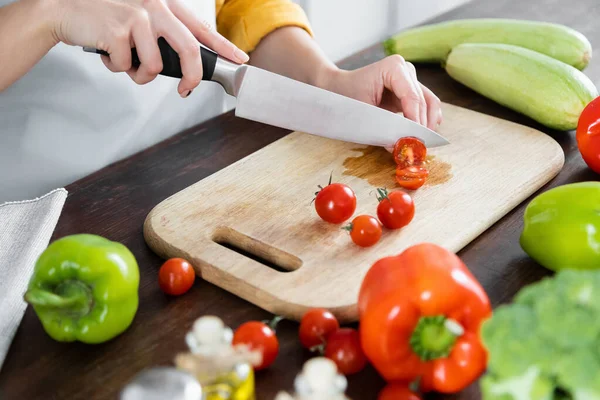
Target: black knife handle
[{"x": 170, "y": 60}]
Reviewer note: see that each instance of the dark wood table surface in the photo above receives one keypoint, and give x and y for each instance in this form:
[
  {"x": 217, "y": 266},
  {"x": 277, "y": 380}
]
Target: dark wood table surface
[{"x": 114, "y": 202}]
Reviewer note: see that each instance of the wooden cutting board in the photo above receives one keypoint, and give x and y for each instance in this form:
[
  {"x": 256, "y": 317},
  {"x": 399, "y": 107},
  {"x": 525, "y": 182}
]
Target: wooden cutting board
[{"x": 261, "y": 206}]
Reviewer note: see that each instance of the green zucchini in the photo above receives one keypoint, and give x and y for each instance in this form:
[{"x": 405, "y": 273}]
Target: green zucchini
[
  {"x": 543, "y": 88},
  {"x": 433, "y": 43}
]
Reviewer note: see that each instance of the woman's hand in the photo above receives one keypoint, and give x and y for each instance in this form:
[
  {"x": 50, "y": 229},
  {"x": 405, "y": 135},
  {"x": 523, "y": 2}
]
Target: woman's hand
[
  {"x": 116, "y": 26},
  {"x": 390, "y": 84}
]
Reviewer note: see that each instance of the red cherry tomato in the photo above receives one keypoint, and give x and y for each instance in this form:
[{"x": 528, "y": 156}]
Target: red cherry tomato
[
  {"x": 316, "y": 326},
  {"x": 335, "y": 203},
  {"x": 261, "y": 337},
  {"x": 343, "y": 347},
  {"x": 395, "y": 210},
  {"x": 588, "y": 135},
  {"x": 397, "y": 391},
  {"x": 176, "y": 276},
  {"x": 365, "y": 230},
  {"x": 411, "y": 178},
  {"x": 409, "y": 151}
]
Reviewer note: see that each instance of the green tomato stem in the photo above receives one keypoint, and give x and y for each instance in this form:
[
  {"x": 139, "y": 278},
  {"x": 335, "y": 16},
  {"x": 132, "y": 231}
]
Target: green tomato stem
[
  {"x": 434, "y": 337},
  {"x": 72, "y": 298}
]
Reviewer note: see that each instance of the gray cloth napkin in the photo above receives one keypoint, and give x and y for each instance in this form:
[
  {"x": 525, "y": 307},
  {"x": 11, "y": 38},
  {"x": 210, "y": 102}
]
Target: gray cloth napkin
[{"x": 25, "y": 231}]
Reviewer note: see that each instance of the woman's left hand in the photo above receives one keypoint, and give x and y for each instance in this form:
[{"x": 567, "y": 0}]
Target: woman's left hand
[{"x": 390, "y": 84}]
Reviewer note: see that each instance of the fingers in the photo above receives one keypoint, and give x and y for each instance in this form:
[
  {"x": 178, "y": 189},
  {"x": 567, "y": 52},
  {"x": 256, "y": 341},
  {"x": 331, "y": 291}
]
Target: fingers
[
  {"x": 148, "y": 53},
  {"x": 434, "y": 108},
  {"x": 120, "y": 52},
  {"x": 422, "y": 102},
  {"x": 187, "y": 47},
  {"x": 399, "y": 80},
  {"x": 205, "y": 35}
]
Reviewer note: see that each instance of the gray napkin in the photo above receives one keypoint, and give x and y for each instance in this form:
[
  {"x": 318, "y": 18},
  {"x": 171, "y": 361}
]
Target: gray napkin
[{"x": 25, "y": 231}]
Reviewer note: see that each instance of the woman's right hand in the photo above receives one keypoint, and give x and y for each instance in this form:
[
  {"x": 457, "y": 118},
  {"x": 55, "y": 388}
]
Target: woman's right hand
[{"x": 116, "y": 26}]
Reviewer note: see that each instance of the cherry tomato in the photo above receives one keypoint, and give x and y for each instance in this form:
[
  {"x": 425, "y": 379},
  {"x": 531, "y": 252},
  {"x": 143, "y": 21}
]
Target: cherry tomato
[
  {"x": 258, "y": 336},
  {"x": 343, "y": 347},
  {"x": 365, "y": 230},
  {"x": 395, "y": 210},
  {"x": 588, "y": 135},
  {"x": 409, "y": 151},
  {"x": 335, "y": 203},
  {"x": 316, "y": 326},
  {"x": 397, "y": 391},
  {"x": 176, "y": 276},
  {"x": 411, "y": 178}
]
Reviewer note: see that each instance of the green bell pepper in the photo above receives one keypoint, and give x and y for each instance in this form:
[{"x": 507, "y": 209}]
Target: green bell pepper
[
  {"x": 562, "y": 227},
  {"x": 85, "y": 288}
]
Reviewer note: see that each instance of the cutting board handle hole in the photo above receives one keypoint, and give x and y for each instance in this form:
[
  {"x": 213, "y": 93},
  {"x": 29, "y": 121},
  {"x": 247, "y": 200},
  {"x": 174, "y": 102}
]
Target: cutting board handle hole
[{"x": 256, "y": 250}]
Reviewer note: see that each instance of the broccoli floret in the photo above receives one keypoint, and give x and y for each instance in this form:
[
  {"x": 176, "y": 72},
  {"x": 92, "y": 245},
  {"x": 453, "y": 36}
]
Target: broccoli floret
[{"x": 546, "y": 344}]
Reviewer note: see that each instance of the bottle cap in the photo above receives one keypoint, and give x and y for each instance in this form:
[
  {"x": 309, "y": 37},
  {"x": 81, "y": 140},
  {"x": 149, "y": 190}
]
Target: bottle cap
[{"x": 161, "y": 383}]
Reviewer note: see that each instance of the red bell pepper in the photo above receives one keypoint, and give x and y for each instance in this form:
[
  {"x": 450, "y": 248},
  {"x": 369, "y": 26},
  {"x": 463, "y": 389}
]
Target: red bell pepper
[{"x": 420, "y": 314}]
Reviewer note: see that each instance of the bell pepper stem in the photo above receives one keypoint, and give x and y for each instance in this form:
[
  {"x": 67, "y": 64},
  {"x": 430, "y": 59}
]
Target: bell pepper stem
[
  {"x": 434, "y": 337},
  {"x": 71, "y": 297}
]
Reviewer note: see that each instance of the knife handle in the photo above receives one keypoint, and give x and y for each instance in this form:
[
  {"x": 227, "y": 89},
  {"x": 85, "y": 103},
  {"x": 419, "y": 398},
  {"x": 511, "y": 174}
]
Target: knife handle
[{"x": 170, "y": 59}]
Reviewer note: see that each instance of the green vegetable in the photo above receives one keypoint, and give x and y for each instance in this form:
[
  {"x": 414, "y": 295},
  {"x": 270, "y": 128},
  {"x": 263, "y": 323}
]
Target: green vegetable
[
  {"x": 548, "y": 91},
  {"x": 546, "y": 344},
  {"x": 84, "y": 287},
  {"x": 562, "y": 227},
  {"x": 433, "y": 43}
]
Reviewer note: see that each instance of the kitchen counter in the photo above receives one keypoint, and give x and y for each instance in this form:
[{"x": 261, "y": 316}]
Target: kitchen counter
[{"x": 115, "y": 201}]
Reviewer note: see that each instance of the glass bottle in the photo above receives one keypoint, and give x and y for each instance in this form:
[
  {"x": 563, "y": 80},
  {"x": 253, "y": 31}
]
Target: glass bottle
[{"x": 225, "y": 372}]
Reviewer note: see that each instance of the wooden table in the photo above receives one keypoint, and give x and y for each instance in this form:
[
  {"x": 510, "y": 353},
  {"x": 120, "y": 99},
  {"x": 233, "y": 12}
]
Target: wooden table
[{"x": 114, "y": 202}]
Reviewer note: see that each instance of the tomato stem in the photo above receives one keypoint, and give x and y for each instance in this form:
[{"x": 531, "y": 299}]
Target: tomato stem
[
  {"x": 434, "y": 337},
  {"x": 320, "y": 348},
  {"x": 382, "y": 194},
  {"x": 415, "y": 385},
  {"x": 348, "y": 227},
  {"x": 274, "y": 322}
]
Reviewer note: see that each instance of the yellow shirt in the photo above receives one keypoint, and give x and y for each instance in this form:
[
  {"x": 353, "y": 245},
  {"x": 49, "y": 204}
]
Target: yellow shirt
[{"x": 246, "y": 22}]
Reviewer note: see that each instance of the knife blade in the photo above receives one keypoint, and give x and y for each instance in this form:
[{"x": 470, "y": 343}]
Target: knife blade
[{"x": 273, "y": 99}]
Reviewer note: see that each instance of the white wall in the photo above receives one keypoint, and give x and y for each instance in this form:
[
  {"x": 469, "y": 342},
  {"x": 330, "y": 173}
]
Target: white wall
[{"x": 343, "y": 27}]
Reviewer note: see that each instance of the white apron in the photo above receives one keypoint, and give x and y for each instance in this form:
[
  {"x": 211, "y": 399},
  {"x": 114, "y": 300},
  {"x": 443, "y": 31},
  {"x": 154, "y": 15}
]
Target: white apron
[{"x": 70, "y": 116}]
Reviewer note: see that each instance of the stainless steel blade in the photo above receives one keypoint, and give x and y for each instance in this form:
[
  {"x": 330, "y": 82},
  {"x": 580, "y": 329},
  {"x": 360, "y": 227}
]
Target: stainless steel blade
[{"x": 275, "y": 100}]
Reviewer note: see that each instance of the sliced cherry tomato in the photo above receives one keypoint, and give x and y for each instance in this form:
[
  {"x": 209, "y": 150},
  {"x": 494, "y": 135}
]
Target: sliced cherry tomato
[
  {"x": 588, "y": 135},
  {"x": 395, "y": 210},
  {"x": 397, "y": 391},
  {"x": 335, "y": 203},
  {"x": 409, "y": 151},
  {"x": 261, "y": 337},
  {"x": 176, "y": 276},
  {"x": 316, "y": 326},
  {"x": 343, "y": 347},
  {"x": 411, "y": 178},
  {"x": 365, "y": 230}
]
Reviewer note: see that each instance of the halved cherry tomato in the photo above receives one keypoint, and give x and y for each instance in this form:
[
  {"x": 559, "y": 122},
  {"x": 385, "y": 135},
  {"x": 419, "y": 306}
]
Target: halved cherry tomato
[
  {"x": 397, "y": 391},
  {"x": 588, "y": 135},
  {"x": 409, "y": 151},
  {"x": 395, "y": 210},
  {"x": 343, "y": 347},
  {"x": 335, "y": 203},
  {"x": 176, "y": 276},
  {"x": 316, "y": 326},
  {"x": 365, "y": 230},
  {"x": 411, "y": 178},
  {"x": 259, "y": 336}
]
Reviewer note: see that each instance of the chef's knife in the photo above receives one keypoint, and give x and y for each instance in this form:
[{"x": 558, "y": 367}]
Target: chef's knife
[{"x": 286, "y": 103}]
